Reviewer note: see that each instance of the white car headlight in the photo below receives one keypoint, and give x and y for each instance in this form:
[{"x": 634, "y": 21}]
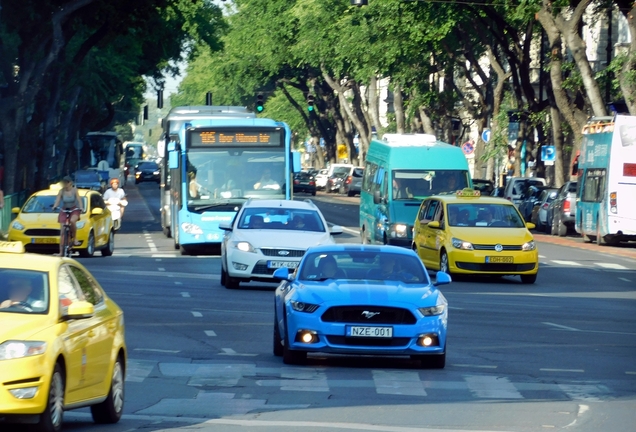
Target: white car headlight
[
  {"x": 461, "y": 244},
  {"x": 17, "y": 225},
  {"x": 18, "y": 349},
  {"x": 244, "y": 246},
  {"x": 529, "y": 246},
  {"x": 191, "y": 228}
]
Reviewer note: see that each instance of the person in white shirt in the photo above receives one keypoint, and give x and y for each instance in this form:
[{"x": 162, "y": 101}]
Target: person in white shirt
[
  {"x": 266, "y": 181},
  {"x": 116, "y": 192}
]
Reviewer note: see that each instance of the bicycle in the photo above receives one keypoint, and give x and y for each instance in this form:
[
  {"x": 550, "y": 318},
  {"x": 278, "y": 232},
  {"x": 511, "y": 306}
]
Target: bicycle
[{"x": 65, "y": 238}]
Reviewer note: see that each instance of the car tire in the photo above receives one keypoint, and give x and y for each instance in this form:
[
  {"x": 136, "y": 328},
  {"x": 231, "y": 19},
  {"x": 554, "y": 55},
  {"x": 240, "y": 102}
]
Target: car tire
[
  {"x": 350, "y": 193},
  {"x": 53, "y": 416},
  {"x": 277, "y": 347},
  {"x": 444, "y": 264},
  {"x": 529, "y": 279},
  {"x": 184, "y": 251},
  {"x": 230, "y": 282},
  {"x": 540, "y": 226},
  {"x": 553, "y": 227},
  {"x": 110, "y": 410},
  {"x": 313, "y": 193},
  {"x": 293, "y": 357},
  {"x": 89, "y": 251},
  {"x": 110, "y": 245},
  {"x": 562, "y": 229}
]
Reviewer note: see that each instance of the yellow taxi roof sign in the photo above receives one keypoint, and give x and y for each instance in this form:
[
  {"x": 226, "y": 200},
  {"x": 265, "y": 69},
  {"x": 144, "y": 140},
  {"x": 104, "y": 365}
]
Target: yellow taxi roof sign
[
  {"x": 468, "y": 193},
  {"x": 11, "y": 247}
]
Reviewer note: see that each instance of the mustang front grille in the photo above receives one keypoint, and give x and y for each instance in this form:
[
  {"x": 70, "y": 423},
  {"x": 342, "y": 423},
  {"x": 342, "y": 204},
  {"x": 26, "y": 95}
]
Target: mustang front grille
[{"x": 368, "y": 315}]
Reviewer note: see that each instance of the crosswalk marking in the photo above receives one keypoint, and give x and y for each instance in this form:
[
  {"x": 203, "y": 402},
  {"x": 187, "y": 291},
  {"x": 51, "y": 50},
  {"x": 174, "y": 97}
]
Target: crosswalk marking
[
  {"x": 492, "y": 387},
  {"x": 398, "y": 383},
  {"x": 302, "y": 379},
  {"x": 612, "y": 266},
  {"x": 138, "y": 370},
  {"x": 567, "y": 263}
]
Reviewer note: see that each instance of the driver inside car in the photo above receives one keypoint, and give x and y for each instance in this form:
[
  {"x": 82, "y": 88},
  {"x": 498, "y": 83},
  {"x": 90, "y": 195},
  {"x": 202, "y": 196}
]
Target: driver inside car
[{"x": 20, "y": 289}]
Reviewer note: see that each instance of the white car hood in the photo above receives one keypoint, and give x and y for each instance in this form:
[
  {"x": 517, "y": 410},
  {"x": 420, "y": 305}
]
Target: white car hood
[{"x": 282, "y": 238}]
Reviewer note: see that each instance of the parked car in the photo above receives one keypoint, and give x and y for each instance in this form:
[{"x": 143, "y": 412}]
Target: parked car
[
  {"x": 516, "y": 186},
  {"x": 540, "y": 211},
  {"x": 360, "y": 300},
  {"x": 270, "y": 234},
  {"x": 304, "y": 182},
  {"x": 336, "y": 181},
  {"x": 321, "y": 179},
  {"x": 498, "y": 191},
  {"x": 62, "y": 342},
  {"x": 353, "y": 183},
  {"x": 528, "y": 200},
  {"x": 484, "y": 186},
  {"x": 561, "y": 212},
  {"x": 147, "y": 171}
]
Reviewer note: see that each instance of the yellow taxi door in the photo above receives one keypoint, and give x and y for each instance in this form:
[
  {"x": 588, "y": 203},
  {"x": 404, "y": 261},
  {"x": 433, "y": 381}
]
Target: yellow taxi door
[
  {"x": 101, "y": 334},
  {"x": 424, "y": 233},
  {"x": 98, "y": 220}
]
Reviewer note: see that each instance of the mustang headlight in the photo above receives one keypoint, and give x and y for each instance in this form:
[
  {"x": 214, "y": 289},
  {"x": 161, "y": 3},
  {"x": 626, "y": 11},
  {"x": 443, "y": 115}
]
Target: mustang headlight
[
  {"x": 244, "y": 246},
  {"x": 17, "y": 225},
  {"x": 398, "y": 230},
  {"x": 461, "y": 244},
  {"x": 303, "y": 307},
  {"x": 438, "y": 309},
  {"x": 529, "y": 246},
  {"x": 191, "y": 228},
  {"x": 18, "y": 349}
]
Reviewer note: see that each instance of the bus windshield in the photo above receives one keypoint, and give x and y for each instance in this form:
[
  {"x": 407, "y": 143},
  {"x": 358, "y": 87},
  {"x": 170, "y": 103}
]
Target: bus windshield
[
  {"x": 419, "y": 184},
  {"x": 220, "y": 174},
  {"x": 101, "y": 147}
]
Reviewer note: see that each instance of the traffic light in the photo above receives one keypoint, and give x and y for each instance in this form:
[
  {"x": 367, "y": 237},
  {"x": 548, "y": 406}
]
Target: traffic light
[
  {"x": 259, "y": 103},
  {"x": 208, "y": 98},
  {"x": 359, "y": 2},
  {"x": 310, "y": 102}
]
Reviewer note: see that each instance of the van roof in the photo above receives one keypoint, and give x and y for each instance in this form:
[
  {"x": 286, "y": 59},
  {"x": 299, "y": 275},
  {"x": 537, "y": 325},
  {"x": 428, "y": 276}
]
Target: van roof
[
  {"x": 401, "y": 140},
  {"x": 416, "y": 151}
]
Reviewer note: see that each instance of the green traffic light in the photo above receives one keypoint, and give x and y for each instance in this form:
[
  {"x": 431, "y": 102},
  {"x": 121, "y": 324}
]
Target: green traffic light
[
  {"x": 310, "y": 108},
  {"x": 259, "y": 108}
]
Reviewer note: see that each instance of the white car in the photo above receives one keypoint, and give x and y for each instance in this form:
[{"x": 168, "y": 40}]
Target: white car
[
  {"x": 321, "y": 179},
  {"x": 269, "y": 234}
]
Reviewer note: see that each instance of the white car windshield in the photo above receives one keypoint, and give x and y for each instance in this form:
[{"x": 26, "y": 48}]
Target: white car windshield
[{"x": 281, "y": 219}]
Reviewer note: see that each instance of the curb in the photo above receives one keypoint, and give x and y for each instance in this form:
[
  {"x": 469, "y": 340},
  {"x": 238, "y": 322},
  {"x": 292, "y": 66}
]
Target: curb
[{"x": 626, "y": 250}]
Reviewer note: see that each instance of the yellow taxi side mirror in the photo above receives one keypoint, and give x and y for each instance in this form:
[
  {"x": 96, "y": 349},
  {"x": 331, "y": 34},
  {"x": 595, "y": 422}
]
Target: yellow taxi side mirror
[
  {"x": 433, "y": 224},
  {"x": 15, "y": 210},
  {"x": 97, "y": 211},
  {"x": 530, "y": 225},
  {"x": 79, "y": 310}
]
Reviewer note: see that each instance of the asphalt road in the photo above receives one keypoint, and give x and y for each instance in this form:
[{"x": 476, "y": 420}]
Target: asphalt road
[{"x": 556, "y": 355}]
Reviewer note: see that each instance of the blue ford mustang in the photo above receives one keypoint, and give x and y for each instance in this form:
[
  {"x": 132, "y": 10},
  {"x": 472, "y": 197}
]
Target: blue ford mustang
[{"x": 360, "y": 299}]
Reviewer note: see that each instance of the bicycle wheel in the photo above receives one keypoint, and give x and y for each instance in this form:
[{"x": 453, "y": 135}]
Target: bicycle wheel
[{"x": 67, "y": 241}]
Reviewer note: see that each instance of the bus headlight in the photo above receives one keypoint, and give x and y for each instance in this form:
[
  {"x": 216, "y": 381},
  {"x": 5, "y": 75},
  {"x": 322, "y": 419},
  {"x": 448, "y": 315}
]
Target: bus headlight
[
  {"x": 461, "y": 244},
  {"x": 191, "y": 228},
  {"x": 529, "y": 246},
  {"x": 398, "y": 230}
]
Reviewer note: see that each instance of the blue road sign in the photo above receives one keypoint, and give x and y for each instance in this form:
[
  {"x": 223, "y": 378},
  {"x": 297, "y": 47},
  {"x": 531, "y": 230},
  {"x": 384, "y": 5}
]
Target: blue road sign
[{"x": 485, "y": 135}]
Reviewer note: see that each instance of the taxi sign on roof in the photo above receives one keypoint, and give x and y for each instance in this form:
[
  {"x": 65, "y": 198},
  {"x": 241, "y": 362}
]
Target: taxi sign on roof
[
  {"x": 11, "y": 247},
  {"x": 468, "y": 193}
]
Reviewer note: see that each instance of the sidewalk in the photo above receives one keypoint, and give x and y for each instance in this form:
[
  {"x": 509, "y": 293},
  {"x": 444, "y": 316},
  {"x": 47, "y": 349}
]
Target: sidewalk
[{"x": 627, "y": 250}]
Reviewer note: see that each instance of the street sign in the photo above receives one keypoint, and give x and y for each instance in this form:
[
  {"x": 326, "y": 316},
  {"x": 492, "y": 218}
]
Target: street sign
[
  {"x": 468, "y": 148},
  {"x": 548, "y": 154},
  {"x": 485, "y": 135}
]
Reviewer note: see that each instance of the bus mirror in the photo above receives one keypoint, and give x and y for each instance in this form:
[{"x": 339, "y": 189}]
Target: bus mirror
[
  {"x": 172, "y": 146},
  {"x": 377, "y": 199},
  {"x": 173, "y": 160},
  {"x": 297, "y": 166}
]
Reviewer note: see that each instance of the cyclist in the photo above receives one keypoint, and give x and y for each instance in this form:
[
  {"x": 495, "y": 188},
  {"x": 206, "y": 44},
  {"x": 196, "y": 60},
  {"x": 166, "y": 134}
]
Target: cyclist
[
  {"x": 116, "y": 192},
  {"x": 68, "y": 199}
]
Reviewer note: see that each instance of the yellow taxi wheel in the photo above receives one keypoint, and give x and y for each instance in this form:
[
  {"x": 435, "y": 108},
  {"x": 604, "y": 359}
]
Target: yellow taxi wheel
[
  {"x": 443, "y": 262},
  {"x": 53, "y": 416},
  {"x": 111, "y": 409}
]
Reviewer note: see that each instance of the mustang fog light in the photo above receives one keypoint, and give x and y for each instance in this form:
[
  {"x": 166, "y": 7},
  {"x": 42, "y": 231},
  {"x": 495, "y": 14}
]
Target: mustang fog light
[
  {"x": 307, "y": 336},
  {"x": 24, "y": 393},
  {"x": 239, "y": 266},
  {"x": 427, "y": 340}
]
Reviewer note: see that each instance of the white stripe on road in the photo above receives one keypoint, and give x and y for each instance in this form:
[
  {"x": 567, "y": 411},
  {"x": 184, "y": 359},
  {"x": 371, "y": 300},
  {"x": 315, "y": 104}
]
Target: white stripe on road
[
  {"x": 210, "y": 332},
  {"x": 197, "y": 314},
  {"x": 611, "y": 266},
  {"x": 567, "y": 263},
  {"x": 231, "y": 352},
  {"x": 185, "y": 294},
  {"x": 561, "y": 370},
  {"x": 625, "y": 279},
  {"x": 492, "y": 387},
  {"x": 561, "y": 327},
  {"x": 398, "y": 383}
]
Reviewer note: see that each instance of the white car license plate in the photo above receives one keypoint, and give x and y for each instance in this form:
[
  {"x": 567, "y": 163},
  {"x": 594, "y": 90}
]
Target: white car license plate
[
  {"x": 376, "y": 332},
  {"x": 281, "y": 264}
]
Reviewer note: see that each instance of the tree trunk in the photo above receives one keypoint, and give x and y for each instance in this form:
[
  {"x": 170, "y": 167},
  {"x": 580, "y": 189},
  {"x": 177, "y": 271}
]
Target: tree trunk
[
  {"x": 557, "y": 141},
  {"x": 629, "y": 68},
  {"x": 427, "y": 124},
  {"x": 374, "y": 103},
  {"x": 398, "y": 107}
]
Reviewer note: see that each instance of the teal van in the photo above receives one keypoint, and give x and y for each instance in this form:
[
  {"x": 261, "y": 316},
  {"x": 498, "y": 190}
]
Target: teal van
[{"x": 401, "y": 171}]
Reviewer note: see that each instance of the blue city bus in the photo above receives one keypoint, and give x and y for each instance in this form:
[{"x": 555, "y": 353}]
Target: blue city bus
[
  {"x": 606, "y": 186},
  {"x": 171, "y": 124},
  {"x": 216, "y": 164}
]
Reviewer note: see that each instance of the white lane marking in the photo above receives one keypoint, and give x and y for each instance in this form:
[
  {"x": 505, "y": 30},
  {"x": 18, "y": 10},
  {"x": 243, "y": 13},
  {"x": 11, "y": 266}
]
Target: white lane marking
[
  {"x": 231, "y": 352},
  {"x": 138, "y": 370},
  {"x": 178, "y": 283},
  {"x": 185, "y": 294},
  {"x": 153, "y": 247},
  {"x": 562, "y": 370},
  {"x": 210, "y": 333},
  {"x": 304, "y": 379},
  {"x": 492, "y": 387},
  {"x": 157, "y": 350},
  {"x": 165, "y": 256},
  {"x": 161, "y": 269},
  {"x": 475, "y": 366},
  {"x": 158, "y": 260},
  {"x": 542, "y": 257},
  {"x": 612, "y": 266},
  {"x": 562, "y": 327},
  {"x": 625, "y": 279},
  {"x": 197, "y": 314},
  {"x": 567, "y": 263},
  {"x": 398, "y": 383}
]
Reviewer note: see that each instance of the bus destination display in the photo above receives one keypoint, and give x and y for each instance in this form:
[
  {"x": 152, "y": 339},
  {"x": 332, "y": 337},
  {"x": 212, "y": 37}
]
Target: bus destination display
[{"x": 208, "y": 138}]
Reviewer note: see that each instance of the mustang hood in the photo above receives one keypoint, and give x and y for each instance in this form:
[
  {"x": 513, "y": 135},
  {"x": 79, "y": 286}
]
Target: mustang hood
[{"x": 369, "y": 293}]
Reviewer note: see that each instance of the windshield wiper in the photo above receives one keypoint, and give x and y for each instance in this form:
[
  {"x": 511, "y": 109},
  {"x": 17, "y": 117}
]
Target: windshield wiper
[{"x": 221, "y": 204}]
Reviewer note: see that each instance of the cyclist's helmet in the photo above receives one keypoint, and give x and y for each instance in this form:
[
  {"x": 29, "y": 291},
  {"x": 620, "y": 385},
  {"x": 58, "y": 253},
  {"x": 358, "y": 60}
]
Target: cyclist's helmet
[{"x": 114, "y": 180}]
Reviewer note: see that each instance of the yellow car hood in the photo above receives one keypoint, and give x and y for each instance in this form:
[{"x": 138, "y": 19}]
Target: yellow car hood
[
  {"x": 492, "y": 235},
  {"x": 39, "y": 220},
  {"x": 21, "y": 326}
]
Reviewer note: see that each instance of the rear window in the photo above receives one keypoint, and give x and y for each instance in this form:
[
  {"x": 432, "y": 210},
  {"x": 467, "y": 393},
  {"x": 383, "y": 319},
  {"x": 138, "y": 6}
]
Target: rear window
[
  {"x": 572, "y": 187},
  {"x": 358, "y": 172}
]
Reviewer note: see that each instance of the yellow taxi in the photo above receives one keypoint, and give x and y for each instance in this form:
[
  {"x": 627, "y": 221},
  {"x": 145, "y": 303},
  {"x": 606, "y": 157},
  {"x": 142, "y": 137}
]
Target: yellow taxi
[
  {"x": 466, "y": 233},
  {"x": 61, "y": 341},
  {"x": 36, "y": 224}
]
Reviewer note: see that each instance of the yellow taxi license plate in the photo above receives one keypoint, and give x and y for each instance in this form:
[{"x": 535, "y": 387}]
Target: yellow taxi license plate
[
  {"x": 44, "y": 240},
  {"x": 499, "y": 260}
]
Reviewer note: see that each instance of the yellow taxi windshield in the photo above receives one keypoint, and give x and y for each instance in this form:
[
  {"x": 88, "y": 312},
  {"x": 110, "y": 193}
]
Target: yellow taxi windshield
[
  {"x": 484, "y": 215},
  {"x": 23, "y": 291}
]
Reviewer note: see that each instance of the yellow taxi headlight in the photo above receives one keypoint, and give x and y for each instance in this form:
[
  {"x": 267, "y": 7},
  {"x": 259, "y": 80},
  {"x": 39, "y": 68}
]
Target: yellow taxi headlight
[
  {"x": 461, "y": 244},
  {"x": 529, "y": 246},
  {"x": 18, "y": 349},
  {"x": 17, "y": 225}
]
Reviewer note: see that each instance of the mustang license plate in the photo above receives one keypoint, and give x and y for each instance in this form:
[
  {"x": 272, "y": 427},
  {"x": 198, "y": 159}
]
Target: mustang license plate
[
  {"x": 375, "y": 332},
  {"x": 44, "y": 240},
  {"x": 499, "y": 260},
  {"x": 280, "y": 264}
]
